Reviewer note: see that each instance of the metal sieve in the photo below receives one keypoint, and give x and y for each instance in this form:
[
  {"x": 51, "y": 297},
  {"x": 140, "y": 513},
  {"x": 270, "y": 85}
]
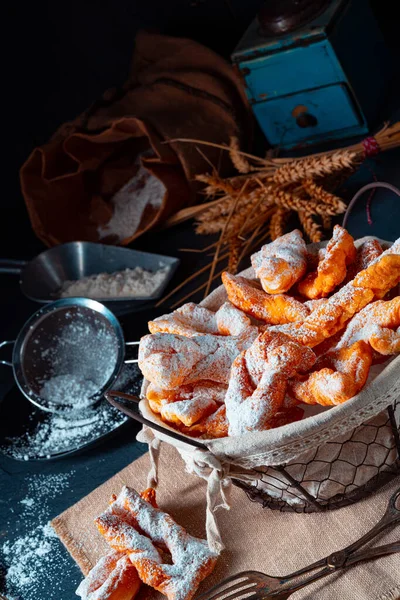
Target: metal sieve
[{"x": 68, "y": 354}]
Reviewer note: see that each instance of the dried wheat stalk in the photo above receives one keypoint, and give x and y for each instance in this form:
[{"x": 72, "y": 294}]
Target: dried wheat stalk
[
  {"x": 235, "y": 246},
  {"x": 239, "y": 161},
  {"x": 319, "y": 193},
  {"x": 312, "y": 229},
  {"x": 257, "y": 202},
  {"x": 277, "y": 223},
  {"x": 326, "y": 222},
  {"x": 319, "y": 166}
]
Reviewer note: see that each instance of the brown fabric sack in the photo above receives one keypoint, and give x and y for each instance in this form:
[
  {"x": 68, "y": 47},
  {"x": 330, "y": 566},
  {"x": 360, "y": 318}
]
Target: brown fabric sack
[{"x": 177, "y": 89}]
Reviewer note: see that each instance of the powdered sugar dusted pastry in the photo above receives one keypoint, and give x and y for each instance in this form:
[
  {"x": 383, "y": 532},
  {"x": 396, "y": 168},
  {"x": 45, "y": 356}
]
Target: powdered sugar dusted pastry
[
  {"x": 258, "y": 381},
  {"x": 133, "y": 526},
  {"x": 274, "y": 310},
  {"x": 214, "y": 426},
  {"x": 188, "y": 404},
  {"x": 192, "y": 320},
  {"x": 189, "y": 320},
  {"x": 332, "y": 269},
  {"x": 232, "y": 321},
  {"x": 280, "y": 264},
  {"x": 340, "y": 375},
  {"x": 366, "y": 254},
  {"x": 169, "y": 360},
  {"x": 158, "y": 397},
  {"x": 326, "y": 320},
  {"x": 378, "y": 323},
  {"x": 114, "y": 577}
]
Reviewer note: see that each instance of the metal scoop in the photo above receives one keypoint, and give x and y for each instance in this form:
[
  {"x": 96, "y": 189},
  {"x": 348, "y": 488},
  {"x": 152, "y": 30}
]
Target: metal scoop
[
  {"x": 42, "y": 277},
  {"x": 68, "y": 354}
]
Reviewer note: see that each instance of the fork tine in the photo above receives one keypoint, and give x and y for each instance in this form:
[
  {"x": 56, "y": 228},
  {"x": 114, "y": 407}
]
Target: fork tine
[
  {"x": 237, "y": 591},
  {"x": 240, "y": 580}
]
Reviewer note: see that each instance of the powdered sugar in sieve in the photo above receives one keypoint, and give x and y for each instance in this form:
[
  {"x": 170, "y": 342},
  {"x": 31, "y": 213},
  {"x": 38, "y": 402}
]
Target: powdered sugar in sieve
[{"x": 69, "y": 357}]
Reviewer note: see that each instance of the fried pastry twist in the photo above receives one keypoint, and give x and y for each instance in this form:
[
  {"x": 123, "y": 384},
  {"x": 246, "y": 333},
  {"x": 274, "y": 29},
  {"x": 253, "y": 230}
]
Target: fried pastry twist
[
  {"x": 192, "y": 320},
  {"x": 332, "y": 269},
  {"x": 258, "y": 381},
  {"x": 169, "y": 361},
  {"x": 214, "y": 426},
  {"x": 378, "y": 323},
  {"x": 189, "y": 320},
  {"x": 114, "y": 577},
  {"x": 340, "y": 375},
  {"x": 133, "y": 526},
  {"x": 280, "y": 264},
  {"x": 369, "y": 251},
  {"x": 330, "y": 317},
  {"x": 275, "y": 310},
  {"x": 187, "y": 404}
]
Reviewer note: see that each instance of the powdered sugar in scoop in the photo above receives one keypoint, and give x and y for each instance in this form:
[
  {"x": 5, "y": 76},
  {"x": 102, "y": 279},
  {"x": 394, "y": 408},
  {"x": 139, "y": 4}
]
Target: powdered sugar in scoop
[{"x": 129, "y": 283}]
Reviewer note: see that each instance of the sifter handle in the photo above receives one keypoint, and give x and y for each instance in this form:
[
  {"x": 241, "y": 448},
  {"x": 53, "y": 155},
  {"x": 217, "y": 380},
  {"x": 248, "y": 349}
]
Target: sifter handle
[
  {"x": 6, "y": 362},
  {"x": 128, "y": 404},
  {"x": 8, "y": 265}
]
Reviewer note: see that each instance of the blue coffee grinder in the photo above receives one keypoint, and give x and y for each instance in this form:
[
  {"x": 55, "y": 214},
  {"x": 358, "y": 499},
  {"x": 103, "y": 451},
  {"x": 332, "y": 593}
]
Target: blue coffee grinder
[{"x": 314, "y": 70}]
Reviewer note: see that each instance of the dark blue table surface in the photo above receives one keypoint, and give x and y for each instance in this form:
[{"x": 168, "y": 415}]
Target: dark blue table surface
[{"x": 78, "y": 475}]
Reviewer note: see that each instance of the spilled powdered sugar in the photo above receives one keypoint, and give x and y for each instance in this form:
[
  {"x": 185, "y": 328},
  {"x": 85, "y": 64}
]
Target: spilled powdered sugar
[
  {"x": 143, "y": 190},
  {"x": 33, "y": 560},
  {"x": 129, "y": 283},
  {"x": 55, "y": 434}
]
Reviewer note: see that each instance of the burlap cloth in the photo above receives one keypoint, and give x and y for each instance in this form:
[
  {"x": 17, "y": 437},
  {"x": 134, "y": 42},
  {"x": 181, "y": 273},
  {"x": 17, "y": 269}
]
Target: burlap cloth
[
  {"x": 176, "y": 88},
  {"x": 256, "y": 538}
]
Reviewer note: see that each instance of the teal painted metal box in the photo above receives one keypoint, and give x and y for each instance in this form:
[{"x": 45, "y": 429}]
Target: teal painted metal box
[{"x": 326, "y": 80}]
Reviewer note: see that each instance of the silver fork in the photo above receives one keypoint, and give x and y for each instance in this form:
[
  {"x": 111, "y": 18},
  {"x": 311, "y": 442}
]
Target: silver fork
[{"x": 253, "y": 585}]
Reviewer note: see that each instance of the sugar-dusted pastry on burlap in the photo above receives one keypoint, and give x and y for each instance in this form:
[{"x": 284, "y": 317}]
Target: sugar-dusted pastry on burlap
[
  {"x": 332, "y": 269},
  {"x": 258, "y": 381},
  {"x": 139, "y": 530},
  {"x": 114, "y": 577},
  {"x": 282, "y": 263}
]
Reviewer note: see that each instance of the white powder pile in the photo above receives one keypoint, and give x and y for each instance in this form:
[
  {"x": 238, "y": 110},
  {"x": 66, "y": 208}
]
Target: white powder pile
[
  {"x": 129, "y": 203},
  {"x": 72, "y": 363},
  {"x": 55, "y": 434},
  {"x": 33, "y": 560},
  {"x": 75, "y": 391},
  {"x": 130, "y": 283}
]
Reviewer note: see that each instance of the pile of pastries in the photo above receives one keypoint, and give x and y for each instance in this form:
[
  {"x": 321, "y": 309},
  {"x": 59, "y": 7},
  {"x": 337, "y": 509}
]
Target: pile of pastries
[
  {"x": 306, "y": 330},
  {"x": 147, "y": 546}
]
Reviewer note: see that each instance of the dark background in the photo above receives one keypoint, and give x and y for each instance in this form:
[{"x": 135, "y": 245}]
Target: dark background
[{"x": 60, "y": 57}]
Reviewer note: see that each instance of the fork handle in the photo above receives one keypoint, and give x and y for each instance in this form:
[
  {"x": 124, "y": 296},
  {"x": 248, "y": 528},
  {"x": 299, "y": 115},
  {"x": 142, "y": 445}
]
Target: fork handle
[
  {"x": 286, "y": 590},
  {"x": 337, "y": 559}
]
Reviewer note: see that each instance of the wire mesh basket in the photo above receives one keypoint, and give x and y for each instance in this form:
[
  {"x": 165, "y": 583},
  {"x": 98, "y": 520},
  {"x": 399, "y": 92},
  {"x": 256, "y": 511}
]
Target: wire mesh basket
[
  {"x": 338, "y": 473},
  {"x": 328, "y": 460}
]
